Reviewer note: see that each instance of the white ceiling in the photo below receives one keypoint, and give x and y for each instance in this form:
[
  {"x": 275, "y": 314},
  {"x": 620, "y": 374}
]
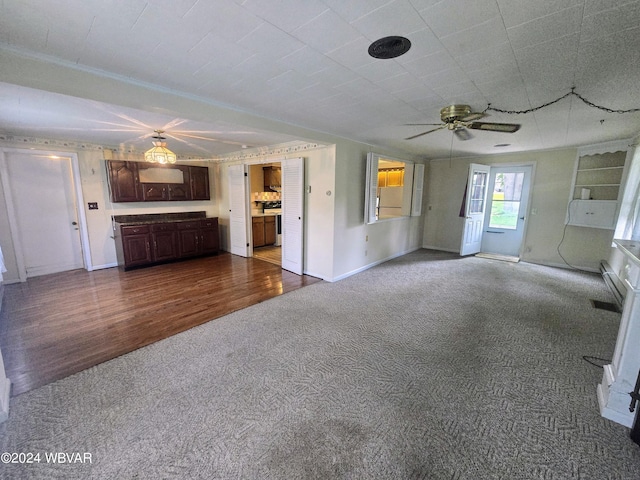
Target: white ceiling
[{"x": 305, "y": 63}]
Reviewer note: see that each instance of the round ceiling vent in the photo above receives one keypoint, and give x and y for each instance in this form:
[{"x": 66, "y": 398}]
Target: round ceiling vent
[{"x": 389, "y": 47}]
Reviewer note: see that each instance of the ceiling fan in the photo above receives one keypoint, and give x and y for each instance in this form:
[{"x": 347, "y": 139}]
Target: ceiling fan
[{"x": 459, "y": 118}]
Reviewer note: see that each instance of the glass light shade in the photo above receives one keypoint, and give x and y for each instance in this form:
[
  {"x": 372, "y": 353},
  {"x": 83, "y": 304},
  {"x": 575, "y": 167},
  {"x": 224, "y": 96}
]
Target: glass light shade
[{"x": 160, "y": 154}]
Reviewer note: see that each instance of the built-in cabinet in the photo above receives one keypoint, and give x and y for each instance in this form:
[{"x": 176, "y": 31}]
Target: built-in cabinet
[
  {"x": 151, "y": 243},
  {"x": 144, "y": 182},
  {"x": 272, "y": 178},
  {"x": 263, "y": 230},
  {"x": 597, "y": 186}
]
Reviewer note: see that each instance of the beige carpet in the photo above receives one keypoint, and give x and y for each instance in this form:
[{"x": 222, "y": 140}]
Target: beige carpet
[{"x": 430, "y": 366}]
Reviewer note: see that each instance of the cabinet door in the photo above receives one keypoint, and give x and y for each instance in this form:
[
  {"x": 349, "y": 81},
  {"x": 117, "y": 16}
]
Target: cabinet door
[
  {"x": 199, "y": 180},
  {"x": 123, "y": 181},
  {"x": 270, "y": 230},
  {"x": 154, "y": 192},
  {"x": 209, "y": 235},
  {"x": 593, "y": 213},
  {"x": 178, "y": 192},
  {"x": 164, "y": 242},
  {"x": 189, "y": 238},
  {"x": 137, "y": 250},
  {"x": 257, "y": 224}
]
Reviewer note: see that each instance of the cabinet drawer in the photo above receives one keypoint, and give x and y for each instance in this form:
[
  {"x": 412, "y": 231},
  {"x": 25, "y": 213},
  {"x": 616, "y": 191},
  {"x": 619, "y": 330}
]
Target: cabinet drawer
[
  {"x": 135, "y": 230},
  {"x": 163, "y": 227},
  {"x": 190, "y": 225},
  {"x": 209, "y": 222}
]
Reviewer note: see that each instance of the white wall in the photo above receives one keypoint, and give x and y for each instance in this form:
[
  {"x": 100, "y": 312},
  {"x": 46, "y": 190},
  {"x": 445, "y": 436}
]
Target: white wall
[
  {"x": 581, "y": 247},
  {"x": 335, "y": 232},
  {"x": 387, "y": 239},
  {"x": 319, "y": 167}
]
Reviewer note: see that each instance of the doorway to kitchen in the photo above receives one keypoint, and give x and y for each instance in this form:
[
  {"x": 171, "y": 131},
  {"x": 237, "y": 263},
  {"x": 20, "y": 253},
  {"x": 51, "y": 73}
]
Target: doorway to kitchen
[{"x": 266, "y": 211}]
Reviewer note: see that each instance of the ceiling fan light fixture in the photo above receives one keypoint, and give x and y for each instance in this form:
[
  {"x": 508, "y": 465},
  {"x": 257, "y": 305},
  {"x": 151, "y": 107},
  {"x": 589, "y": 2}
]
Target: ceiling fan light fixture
[{"x": 159, "y": 153}]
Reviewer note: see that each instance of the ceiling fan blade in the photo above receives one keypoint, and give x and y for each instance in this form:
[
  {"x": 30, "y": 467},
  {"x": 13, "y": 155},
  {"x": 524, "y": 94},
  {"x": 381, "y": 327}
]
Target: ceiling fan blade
[
  {"x": 462, "y": 134},
  {"x": 421, "y": 124},
  {"x": 424, "y": 133},
  {"x": 473, "y": 116},
  {"x": 495, "y": 127}
]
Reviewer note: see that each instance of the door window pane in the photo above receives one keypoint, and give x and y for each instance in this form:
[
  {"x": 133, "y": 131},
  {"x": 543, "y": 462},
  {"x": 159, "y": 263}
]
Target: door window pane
[
  {"x": 478, "y": 185},
  {"x": 505, "y": 206}
]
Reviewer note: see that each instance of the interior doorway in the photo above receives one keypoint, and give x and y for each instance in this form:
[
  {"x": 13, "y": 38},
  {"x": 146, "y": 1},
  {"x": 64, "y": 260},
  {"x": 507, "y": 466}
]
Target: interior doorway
[
  {"x": 42, "y": 199},
  {"x": 265, "y": 198}
]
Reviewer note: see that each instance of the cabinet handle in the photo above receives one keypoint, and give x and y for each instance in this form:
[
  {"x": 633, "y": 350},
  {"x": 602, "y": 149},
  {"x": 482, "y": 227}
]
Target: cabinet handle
[{"x": 155, "y": 245}]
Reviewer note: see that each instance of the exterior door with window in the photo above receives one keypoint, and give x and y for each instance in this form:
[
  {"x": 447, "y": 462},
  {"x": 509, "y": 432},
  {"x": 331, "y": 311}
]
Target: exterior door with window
[
  {"x": 475, "y": 203},
  {"x": 506, "y": 210}
]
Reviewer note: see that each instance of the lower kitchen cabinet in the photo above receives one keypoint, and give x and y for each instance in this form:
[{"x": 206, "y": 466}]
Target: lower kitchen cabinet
[
  {"x": 264, "y": 230},
  {"x": 150, "y": 244},
  {"x": 135, "y": 246}
]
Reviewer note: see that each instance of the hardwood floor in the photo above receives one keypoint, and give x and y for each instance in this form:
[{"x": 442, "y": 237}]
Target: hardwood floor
[
  {"x": 56, "y": 325},
  {"x": 269, "y": 254}
]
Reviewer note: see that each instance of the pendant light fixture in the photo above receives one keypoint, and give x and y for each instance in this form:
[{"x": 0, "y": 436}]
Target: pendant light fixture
[{"x": 159, "y": 153}]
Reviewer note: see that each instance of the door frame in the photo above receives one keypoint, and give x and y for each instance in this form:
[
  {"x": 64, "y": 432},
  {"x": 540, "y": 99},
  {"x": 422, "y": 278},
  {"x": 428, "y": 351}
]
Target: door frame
[
  {"x": 531, "y": 164},
  {"x": 78, "y": 198},
  {"x": 264, "y": 161}
]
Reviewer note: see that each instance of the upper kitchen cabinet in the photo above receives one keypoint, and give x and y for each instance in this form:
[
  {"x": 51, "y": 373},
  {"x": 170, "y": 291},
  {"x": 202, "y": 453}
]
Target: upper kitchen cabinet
[
  {"x": 144, "y": 182},
  {"x": 123, "y": 181},
  {"x": 199, "y": 183},
  {"x": 272, "y": 178}
]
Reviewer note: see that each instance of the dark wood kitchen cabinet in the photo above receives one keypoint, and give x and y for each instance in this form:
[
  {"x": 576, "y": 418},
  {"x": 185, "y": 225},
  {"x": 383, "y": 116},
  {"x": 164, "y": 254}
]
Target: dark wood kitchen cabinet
[
  {"x": 188, "y": 238},
  {"x": 149, "y": 244},
  {"x": 123, "y": 181},
  {"x": 160, "y": 192},
  {"x": 163, "y": 238},
  {"x": 135, "y": 246},
  {"x": 127, "y": 184},
  {"x": 199, "y": 181},
  {"x": 210, "y": 241}
]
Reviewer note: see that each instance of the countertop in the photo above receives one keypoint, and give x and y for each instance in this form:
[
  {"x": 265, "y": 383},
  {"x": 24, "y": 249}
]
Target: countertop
[{"x": 631, "y": 248}]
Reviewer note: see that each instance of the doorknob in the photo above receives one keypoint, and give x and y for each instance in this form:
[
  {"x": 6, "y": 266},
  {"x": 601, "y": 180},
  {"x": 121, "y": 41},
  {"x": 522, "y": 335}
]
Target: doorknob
[
  {"x": 74, "y": 223},
  {"x": 521, "y": 218}
]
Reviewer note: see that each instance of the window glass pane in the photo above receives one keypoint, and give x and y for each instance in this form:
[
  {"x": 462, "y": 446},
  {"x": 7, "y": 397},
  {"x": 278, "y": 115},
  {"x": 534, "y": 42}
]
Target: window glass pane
[
  {"x": 477, "y": 192},
  {"x": 505, "y": 206}
]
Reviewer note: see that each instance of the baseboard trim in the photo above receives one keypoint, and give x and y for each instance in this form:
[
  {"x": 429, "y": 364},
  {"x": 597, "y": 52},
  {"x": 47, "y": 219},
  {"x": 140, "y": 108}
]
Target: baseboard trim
[
  {"x": 433, "y": 247},
  {"x": 373, "y": 264},
  {"x": 101, "y": 267}
]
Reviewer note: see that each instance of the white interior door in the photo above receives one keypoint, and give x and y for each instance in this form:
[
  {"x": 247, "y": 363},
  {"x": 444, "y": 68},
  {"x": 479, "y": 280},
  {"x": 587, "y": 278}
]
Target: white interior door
[
  {"x": 506, "y": 210},
  {"x": 45, "y": 210},
  {"x": 475, "y": 206},
  {"x": 238, "y": 215},
  {"x": 292, "y": 214}
]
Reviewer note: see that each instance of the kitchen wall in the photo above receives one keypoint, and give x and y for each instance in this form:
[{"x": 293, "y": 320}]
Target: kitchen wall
[
  {"x": 319, "y": 167},
  {"x": 336, "y": 243},
  {"x": 581, "y": 247}
]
